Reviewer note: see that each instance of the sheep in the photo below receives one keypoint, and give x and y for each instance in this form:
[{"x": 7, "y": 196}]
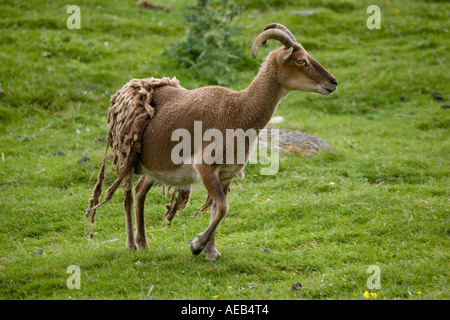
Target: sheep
[{"x": 145, "y": 113}]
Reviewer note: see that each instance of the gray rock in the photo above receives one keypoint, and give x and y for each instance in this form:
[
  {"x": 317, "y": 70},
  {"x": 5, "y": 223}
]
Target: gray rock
[{"x": 295, "y": 141}]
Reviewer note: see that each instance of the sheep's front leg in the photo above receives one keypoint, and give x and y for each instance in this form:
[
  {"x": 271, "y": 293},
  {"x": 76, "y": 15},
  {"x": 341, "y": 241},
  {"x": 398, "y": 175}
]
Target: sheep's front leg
[
  {"x": 209, "y": 176},
  {"x": 210, "y": 249}
]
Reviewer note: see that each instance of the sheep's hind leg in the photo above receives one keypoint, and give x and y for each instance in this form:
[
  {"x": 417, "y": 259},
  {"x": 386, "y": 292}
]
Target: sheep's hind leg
[
  {"x": 128, "y": 206},
  {"x": 142, "y": 188}
]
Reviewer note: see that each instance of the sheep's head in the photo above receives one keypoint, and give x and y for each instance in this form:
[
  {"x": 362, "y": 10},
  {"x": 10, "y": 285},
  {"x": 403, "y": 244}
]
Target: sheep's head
[{"x": 297, "y": 70}]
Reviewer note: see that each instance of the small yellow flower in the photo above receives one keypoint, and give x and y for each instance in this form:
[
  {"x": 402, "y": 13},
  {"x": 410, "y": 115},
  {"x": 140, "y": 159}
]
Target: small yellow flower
[
  {"x": 397, "y": 11},
  {"x": 418, "y": 292},
  {"x": 216, "y": 296},
  {"x": 374, "y": 294},
  {"x": 366, "y": 294}
]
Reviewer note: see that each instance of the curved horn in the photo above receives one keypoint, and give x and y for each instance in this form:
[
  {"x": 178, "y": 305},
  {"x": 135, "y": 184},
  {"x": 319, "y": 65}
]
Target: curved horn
[
  {"x": 280, "y": 27},
  {"x": 271, "y": 34}
]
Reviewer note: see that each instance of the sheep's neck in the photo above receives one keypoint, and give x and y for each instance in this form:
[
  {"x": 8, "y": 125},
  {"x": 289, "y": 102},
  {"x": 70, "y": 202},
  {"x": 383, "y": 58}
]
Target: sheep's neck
[{"x": 262, "y": 97}]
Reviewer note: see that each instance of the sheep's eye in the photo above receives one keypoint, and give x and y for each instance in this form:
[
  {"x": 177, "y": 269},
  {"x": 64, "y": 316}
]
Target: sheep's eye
[{"x": 301, "y": 62}]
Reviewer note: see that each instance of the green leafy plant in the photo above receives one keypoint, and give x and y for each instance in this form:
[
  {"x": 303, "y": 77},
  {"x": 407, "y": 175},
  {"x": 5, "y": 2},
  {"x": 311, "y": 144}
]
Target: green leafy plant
[{"x": 210, "y": 50}]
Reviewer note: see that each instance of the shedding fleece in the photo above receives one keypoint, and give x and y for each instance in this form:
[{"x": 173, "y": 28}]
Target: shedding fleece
[{"x": 129, "y": 112}]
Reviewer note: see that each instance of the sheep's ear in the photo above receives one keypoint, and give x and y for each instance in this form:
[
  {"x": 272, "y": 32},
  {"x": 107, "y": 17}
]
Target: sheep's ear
[{"x": 285, "y": 55}]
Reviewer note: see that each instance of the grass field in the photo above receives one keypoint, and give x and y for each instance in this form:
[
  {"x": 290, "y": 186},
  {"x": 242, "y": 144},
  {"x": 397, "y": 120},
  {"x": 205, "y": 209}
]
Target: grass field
[{"x": 380, "y": 198}]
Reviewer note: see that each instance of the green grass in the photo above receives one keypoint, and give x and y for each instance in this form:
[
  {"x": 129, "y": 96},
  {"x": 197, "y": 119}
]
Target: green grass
[{"x": 380, "y": 198}]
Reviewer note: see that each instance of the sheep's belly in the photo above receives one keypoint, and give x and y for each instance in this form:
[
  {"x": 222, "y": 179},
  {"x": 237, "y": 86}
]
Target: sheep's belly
[
  {"x": 183, "y": 176},
  {"x": 186, "y": 174}
]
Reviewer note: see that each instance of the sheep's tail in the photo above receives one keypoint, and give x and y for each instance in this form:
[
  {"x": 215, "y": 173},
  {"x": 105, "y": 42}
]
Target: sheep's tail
[
  {"x": 129, "y": 113},
  {"x": 94, "y": 200}
]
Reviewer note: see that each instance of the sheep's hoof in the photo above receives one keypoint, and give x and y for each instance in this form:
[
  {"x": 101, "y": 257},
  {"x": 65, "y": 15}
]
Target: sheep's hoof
[
  {"x": 141, "y": 245},
  {"x": 212, "y": 255},
  {"x": 131, "y": 245},
  {"x": 195, "y": 250}
]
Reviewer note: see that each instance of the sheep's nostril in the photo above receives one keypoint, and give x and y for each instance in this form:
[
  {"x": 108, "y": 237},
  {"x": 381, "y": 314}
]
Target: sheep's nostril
[{"x": 333, "y": 81}]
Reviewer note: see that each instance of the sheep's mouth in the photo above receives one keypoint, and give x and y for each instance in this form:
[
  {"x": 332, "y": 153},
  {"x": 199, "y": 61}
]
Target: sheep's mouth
[{"x": 327, "y": 91}]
